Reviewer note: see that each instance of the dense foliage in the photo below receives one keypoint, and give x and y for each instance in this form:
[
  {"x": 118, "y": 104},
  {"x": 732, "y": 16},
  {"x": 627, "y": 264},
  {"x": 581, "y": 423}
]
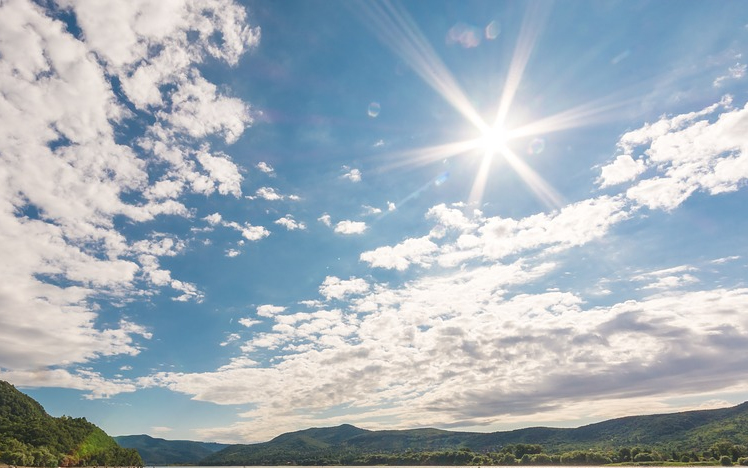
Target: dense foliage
[
  {"x": 722, "y": 453},
  {"x": 31, "y": 437},
  {"x": 708, "y": 436}
]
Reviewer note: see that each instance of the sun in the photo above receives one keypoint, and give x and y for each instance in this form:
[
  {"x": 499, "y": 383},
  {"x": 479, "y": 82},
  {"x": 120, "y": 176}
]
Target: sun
[{"x": 493, "y": 140}]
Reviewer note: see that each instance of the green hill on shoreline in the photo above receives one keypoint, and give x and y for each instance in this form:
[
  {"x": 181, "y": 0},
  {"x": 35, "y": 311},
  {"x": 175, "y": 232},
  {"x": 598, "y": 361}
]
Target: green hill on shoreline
[{"x": 31, "y": 437}]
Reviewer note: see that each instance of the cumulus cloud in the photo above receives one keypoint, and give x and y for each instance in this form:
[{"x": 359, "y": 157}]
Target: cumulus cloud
[
  {"x": 325, "y": 219},
  {"x": 268, "y": 193},
  {"x": 290, "y": 223},
  {"x": 371, "y": 210},
  {"x": 69, "y": 179},
  {"x": 623, "y": 169},
  {"x": 269, "y": 310},
  {"x": 336, "y": 288},
  {"x": 698, "y": 151},
  {"x": 399, "y": 257},
  {"x": 248, "y": 231},
  {"x": 354, "y": 175},
  {"x": 429, "y": 340},
  {"x": 262, "y": 166},
  {"x": 458, "y": 238},
  {"x": 348, "y": 227},
  {"x": 247, "y": 322}
]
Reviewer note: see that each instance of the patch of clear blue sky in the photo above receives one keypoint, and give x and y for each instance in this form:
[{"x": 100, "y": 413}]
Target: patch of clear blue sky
[{"x": 316, "y": 71}]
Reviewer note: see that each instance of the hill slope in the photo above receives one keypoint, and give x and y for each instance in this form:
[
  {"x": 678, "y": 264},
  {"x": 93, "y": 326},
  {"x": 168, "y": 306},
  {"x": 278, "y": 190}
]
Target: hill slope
[
  {"x": 686, "y": 431},
  {"x": 157, "y": 451},
  {"x": 31, "y": 437}
]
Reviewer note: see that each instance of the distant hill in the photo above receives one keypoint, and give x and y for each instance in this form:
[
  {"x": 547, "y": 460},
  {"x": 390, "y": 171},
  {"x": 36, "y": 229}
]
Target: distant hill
[
  {"x": 31, "y": 437},
  {"x": 157, "y": 451},
  {"x": 691, "y": 431}
]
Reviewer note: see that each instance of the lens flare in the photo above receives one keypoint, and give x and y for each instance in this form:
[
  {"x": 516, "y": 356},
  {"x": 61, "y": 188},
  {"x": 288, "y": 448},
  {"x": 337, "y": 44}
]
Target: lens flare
[{"x": 374, "y": 109}]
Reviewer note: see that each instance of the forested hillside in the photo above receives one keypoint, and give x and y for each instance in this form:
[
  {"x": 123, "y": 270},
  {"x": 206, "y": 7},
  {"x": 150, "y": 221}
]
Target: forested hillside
[
  {"x": 716, "y": 436},
  {"x": 157, "y": 451},
  {"x": 31, "y": 437}
]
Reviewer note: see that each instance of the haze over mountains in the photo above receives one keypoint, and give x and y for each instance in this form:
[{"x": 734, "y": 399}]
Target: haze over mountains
[{"x": 685, "y": 431}]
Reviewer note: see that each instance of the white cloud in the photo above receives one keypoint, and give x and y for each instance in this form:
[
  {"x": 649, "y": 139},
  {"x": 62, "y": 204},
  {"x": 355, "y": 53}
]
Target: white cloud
[
  {"x": 268, "y": 310},
  {"x": 247, "y": 322},
  {"x": 517, "y": 353},
  {"x": 290, "y": 223},
  {"x": 496, "y": 238},
  {"x": 726, "y": 259},
  {"x": 214, "y": 218},
  {"x": 254, "y": 233},
  {"x": 391, "y": 206},
  {"x": 325, "y": 219},
  {"x": 354, "y": 175},
  {"x": 262, "y": 166},
  {"x": 411, "y": 251},
  {"x": 735, "y": 72},
  {"x": 371, "y": 210},
  {"x": 248, "y": 231},
  {"x": 699, "y": 151},
  {"x": 198, "y": 110},
  {"x": 71, "y": 175},
  {"x": 94, "y": 383},
  {"x": 271, "y": 194},
  {"x": 231, "y": 253},
  {"x": 623, "y": 169},
  {"x": 224, "y": 172},
  {"x": 336, "y": 288},
  {"x": 350, "y": 227},
  {"x": 268, "y": 193},
  {"x": 668, "y": 279}
]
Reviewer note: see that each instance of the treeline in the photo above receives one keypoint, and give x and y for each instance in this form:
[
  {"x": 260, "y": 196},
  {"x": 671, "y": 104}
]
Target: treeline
[{"x": 721, "y": 453}]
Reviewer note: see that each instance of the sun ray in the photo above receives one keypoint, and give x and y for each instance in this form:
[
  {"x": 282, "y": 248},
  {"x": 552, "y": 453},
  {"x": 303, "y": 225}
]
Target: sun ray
[
  {"x": 392, "y": 24},
  {"x": 542, "y": 189},
  {"x": 481, "y": 179},
  {"x": 585, "y": 114},
  {"x": 532, "y": 24},
  {"x": 428, "y": 155}
]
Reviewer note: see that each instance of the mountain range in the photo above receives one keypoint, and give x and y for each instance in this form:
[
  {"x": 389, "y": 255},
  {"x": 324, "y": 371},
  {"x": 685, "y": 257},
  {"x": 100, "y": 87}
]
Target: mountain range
[{"x": 691, "y": 431}]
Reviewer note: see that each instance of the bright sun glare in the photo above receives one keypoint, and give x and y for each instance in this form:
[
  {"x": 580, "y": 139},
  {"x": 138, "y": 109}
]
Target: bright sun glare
[
  {"x": 395, "y": 28},
  {"x": 493, "y": 140}
]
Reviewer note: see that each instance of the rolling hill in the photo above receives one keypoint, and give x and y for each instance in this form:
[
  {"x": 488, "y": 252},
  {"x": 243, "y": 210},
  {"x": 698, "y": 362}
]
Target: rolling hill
[
  {"x": 694, "y": 431},
  {"x": 157, "y": 451}
]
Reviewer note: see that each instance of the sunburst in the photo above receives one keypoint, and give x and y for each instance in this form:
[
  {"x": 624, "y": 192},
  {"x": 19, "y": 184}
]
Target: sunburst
[{"x": 392, "y": 24}]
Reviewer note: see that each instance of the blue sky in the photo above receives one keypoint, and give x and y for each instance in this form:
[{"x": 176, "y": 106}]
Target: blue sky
[{"x": 224, "y": 220}]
